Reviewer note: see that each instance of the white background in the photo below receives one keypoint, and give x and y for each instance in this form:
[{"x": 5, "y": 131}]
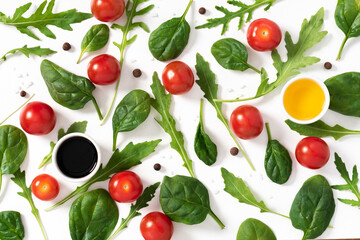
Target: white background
[{"x": 19, "y": 73}]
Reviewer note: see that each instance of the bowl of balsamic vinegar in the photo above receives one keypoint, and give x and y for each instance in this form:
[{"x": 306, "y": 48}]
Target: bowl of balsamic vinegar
[{"x": 77, "y": 157}]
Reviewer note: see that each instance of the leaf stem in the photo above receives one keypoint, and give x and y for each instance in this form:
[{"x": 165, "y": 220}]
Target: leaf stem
[
  {"x": 122, "y": 226},
  {"x": 341, "y": 48},
  {"x": 217, "y": 220},
  {"x": 81, "y": 54},
  {"x": 17, "y": 109},
  {"x": 254, "y": 68},
  {"x": 97, "y": 109},
  {"x": 235, "y": 100},
  {"x": 201, "y": 111},
  {"x": 268, "y": 131},
  {"x": 187, "y": 8},
  {"x": 73, "y": 194}
]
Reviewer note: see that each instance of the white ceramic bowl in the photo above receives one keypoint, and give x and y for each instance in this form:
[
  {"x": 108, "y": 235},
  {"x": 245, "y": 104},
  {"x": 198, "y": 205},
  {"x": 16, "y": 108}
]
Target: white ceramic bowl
[
  {"x": 55, "y": 151},
  {"x": 326, "y": 103}
]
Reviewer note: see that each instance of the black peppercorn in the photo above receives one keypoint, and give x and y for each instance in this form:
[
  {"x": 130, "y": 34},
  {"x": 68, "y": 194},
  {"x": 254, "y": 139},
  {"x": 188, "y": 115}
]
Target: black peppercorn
[
  {"x": 137, "y": 72},
  {"x": 234, "y": 151},
  {"x": 22, "y": 93},
  {"x": 66, "y": 46},
  {"x": 202, "y": 10},
  {"x": 328, "y": 65},
  {"x": 157, "y": 166}
]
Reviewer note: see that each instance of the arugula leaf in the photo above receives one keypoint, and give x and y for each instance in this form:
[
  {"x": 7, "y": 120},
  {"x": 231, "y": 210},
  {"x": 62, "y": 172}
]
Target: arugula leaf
[
  {"x": 40, "y": 19},
  {"x": 209, "y": 87},
  {"x": 129, "y": 157},
  {"x": 11, "y": 227},
  {"x": 131, "y": 12},
  {"x": 19, "y": 179},
  {"x": 238, "y": 189},
  {"x": 75, "y": 127},
  {"x": 141, "y": 202},
  {"x": 320, "y": 129},
  {"x": 351, "y": 184},
  {"x": 244, "y": 9},
  {"x": 27, "y": 51},
  {"x": 310, "y": 35}
]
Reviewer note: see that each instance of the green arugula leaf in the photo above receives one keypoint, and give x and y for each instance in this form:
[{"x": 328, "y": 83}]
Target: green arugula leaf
[
  {"x": 19, "y": 179},
  {"x": 208, "y": 85},
  {"x": 11, "y": 227},
  {"x": 238, "y": 189},
  {"x": 351, "y": 184},
  {"x": 131, "y": 12},
  {"x": 27, "y": 51},
  {"x": 244, "y": 10},
  {"x": 75, "y": 127},
  {"x": 40, "y": 19},
  {"x": 141, "y": 202},
  {"x": 129, "y": 157},
  {"x": 162, "y": 103},
  {"x": 320, "y": 129}
]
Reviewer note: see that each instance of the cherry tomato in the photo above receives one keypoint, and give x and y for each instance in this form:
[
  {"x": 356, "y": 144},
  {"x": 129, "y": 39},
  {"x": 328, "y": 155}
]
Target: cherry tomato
[
  {"x": 156, "y": 226},
  {"x": 104, "y": 69},
  {"x": 312, "y": 152},
  {"x": 263, "y": 35},
  {"x": 246, "y": 122},
  {"x": 107, "y": 10},
  {"x": 177, "y": 78},
  {"x": 125, "y": 187},
  {"x": 45, "y": 187},
  {"x": 37, "y": 118}
]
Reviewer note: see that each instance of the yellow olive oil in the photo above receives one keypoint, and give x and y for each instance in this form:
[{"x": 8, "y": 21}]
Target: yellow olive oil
[{"x": 304, "y": 99}]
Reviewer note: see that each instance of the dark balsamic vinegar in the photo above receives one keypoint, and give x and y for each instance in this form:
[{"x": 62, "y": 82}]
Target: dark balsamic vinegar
[{"x": 76, "y": 157}]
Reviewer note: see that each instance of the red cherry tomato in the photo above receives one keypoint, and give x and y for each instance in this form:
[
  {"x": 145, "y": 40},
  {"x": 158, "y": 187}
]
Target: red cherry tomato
[
  {"x": 37, "y": 118},
  {"x": 104, "y": 69},
  {"x": 107, "y": 10},
  {"x": 177, "y": 78},
  {"x": 263, "y": 35},
  {"x": 45, "y": 187},
  {"x": 125, "y": 187},
  {"x": 312, "y": 152},
  {"x": 246, "y": 122},
  {"x": 156, "y": 226}
]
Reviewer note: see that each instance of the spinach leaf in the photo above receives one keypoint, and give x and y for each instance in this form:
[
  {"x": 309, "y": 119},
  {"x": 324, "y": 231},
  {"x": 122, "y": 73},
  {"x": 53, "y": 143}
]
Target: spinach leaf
[
  {"x": 351, "y": 184},
  {"x": 40, "y": 19},
  {"x": 68, "y": 89},
  {"x": 313, "y": 207},
  {"x": 141, "y": 202},
  {"x": 75, "y": 127},
  {"x": 19, "y": 179},
  {"x": 344, "y": 93},
  {"x": 169, "y": 40},
  {"x": 231, "y": 54},
  {"x": 129, "y": 157},
  {"x": 228, "y": 15},
  {"x": 93, "y": 216},
  {"x": 184, "y": 199},
  {"x": 96, "y": 38},
  {"x": 347, "y": 18},
  {"x": 205, "y": 149},
  {"x": 278, "y": 164},
  {"x": 13, "y": 149},
  {"x": 208, "y": 85},
  {"x": 27, "y": 51},
  {"x": 133, "y": 110},
  {"x": 253, "y": 229},
  {"x": 320, "y": 129},
  {"x": 11, "y": 227},
  {"x": 238, "y": 189}
]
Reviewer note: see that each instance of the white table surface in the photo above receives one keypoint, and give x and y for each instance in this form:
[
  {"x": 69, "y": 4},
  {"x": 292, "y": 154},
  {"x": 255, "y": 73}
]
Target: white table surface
[{"x": 20, "y": 73}]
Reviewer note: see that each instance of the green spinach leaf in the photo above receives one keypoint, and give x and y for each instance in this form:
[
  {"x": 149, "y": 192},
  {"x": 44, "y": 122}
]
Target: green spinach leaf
[
  {"x": 320, "y": 129},
  {"x": 169, "y": 40},
  {"x": 347, "y": 18},
  {"x": 278, "y": 164},
  {"x": 253, "y": 229},
  {"x": 205, "y": 149},
  {"x": 351, "y": 184},
  {"x": 40, "y": 19},
  {"x": 27, "y": 51},
  {"x": 129, "y": 157},
  {"x": 68, "y": 89},
  {"x": 344, "y": 93},
  {"x": 93, "y": 216},
  {"x": 231, "y": 54},
  {"x": 133, "y": 110},
  {"x": 13, "y": 149},
  {"x": 313, "y": 207},
  {"x": 75, "y": 127},
  {"x": 142, "y": 202},
  {"x": 11, "y": 227},
  {"x": 96, "y": 38}
]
